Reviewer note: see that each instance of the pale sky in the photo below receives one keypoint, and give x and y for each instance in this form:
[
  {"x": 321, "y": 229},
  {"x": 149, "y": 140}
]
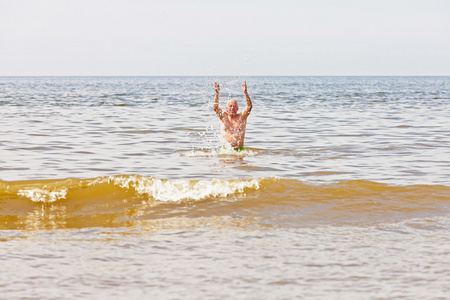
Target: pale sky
[{"x": 229, "y": 37}]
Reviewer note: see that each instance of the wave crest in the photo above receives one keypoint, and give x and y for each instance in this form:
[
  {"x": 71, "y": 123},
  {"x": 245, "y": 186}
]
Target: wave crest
[
  {"x": 41, "y": 195},
  {"x": 136, "y": 200},
  {"x": 179, "y": 190}
]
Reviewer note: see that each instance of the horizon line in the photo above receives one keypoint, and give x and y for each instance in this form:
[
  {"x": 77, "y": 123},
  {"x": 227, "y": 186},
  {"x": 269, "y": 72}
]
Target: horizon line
[{"x": 224, "y": 75}]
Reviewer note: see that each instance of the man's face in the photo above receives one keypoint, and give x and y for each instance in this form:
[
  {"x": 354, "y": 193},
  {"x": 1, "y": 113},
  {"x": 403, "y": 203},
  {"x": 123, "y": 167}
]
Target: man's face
[{"x": 232, "y": 107}]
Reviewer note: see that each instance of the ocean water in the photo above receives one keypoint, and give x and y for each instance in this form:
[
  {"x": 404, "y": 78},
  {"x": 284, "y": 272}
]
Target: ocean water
[{"x": 114, "y": 187}]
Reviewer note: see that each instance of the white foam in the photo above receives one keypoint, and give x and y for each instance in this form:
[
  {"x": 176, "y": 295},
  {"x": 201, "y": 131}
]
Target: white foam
[
  {"x": 40, "y": 195},
  {"x": 179, "y": 190},
  {"x": 201, "y": 153},
  {"x": 219, "y": 153}
]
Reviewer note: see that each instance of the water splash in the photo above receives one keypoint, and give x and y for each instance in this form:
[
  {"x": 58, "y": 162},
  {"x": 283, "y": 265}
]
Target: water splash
[{"x": 42, "y": 195}]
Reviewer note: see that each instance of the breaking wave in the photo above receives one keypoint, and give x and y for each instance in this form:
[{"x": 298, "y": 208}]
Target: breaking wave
[{"x": 128, "y": 200}]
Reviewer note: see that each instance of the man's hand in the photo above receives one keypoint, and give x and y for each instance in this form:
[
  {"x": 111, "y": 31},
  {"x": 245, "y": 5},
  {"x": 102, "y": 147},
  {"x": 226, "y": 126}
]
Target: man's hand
[
  {"x": 216, "y": 87},
  {"x": 244, "y": 87}
]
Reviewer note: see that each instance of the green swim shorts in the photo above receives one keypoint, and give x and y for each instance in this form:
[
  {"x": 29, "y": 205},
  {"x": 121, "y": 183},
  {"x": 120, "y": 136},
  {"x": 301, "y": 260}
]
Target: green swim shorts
[{"x": 222, "y": 149}]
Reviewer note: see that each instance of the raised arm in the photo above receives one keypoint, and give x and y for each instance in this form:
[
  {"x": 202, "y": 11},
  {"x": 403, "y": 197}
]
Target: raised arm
[
  {"x": 216, "y": 107},
  {"x": 249, "y": 106}
]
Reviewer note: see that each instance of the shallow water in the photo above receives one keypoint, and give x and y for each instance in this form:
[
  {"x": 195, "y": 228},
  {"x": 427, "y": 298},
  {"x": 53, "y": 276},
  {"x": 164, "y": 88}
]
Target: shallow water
[{"x": 114, "y": 187}]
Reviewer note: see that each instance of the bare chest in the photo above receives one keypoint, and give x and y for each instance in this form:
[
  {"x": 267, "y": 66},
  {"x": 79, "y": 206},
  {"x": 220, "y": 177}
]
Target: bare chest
[{"x": 234, "y": 124}]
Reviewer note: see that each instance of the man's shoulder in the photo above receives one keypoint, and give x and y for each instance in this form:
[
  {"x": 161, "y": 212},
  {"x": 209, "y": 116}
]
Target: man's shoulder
[{"x": 243, "y": 116}]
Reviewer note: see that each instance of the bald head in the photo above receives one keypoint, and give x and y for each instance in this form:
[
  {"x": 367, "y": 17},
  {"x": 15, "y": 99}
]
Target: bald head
[{"x": 232, "y": 107}]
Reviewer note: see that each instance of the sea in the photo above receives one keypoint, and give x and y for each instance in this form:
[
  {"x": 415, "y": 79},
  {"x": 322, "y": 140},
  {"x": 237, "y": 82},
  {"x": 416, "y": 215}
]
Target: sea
[{"x": 115, "y": 188}]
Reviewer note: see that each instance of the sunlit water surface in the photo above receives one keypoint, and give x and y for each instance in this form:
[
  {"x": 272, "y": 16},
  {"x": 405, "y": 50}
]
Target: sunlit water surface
[{"x": 114, "y": 187}]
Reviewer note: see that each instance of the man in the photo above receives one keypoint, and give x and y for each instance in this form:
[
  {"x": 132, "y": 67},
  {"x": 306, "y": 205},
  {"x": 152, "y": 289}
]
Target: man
[{"x": 233, "y": 123}]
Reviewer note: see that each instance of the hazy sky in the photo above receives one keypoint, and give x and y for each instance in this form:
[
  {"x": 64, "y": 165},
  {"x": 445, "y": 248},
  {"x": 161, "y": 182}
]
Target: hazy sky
[{"x": 207, "y": 37}]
